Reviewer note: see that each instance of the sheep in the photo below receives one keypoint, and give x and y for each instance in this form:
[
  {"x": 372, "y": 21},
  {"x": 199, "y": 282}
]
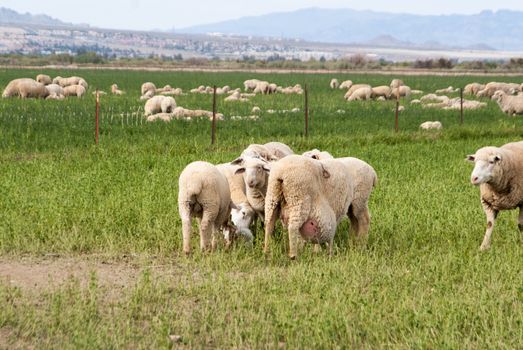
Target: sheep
[
  {"x": 404, "y": 91},
  {"x": 434, "y": 97},
  {"x": 270, "y": 152},
  {"x": 262, "y": 88},
  {"x": 415, "y": 102},
  {"x": 498, "y": 173},
  {"x": 74, "y": 80},
  {"x": 167, "y": 104},
  {"x": 448, "y": 90},
  {"x": 364, "y": 179},
  {"x": 361, "y": 94},
  {"x": 354, "y": 88},
  {"x": 312, "y": 197},
  {"x": 203, "y": 193},
  {"x": 346, "y": 84},
  {"x": 175, "y": 92},
  {"x": 44, "y": 79},
  {"x": 255, "y": 174},
  {"x": 188, "y": 114},
  {"x": 115, "y": 90},
  {"x": 54, "y": 89},
  {"x": 396, "y": 83},
  {"x": 250, "y": 84},
  {"x": 153, "y": 105},
  {"x": 272, "y": 89},
  {"x": 74, "y": 90},
  {"x": 166, "y": 88},
  {"x": 148, "y": 87},
  {"x": 243, "y": 215},
  {"x": 416, "y": 92},
  {"x": 256, "y": 109},
  {"x": 431, "y": 125},
  {"x": 295, "y": 110},
  {"x": 278, "y": 149},
  {"x": 236, "y": 96},
  {"x": 54, "y": 96},
  {"x": 334, "y": 83},
  {"x": 25, "y": 88},
  {"x": 148, "y": 94},
  {"x": 166, "y": 117},
  {"x": 510, "y": 105},
  {"x": 491, "y": 88},
  {"x": 381, "y": 91},
  {"x": 473, "y": 88}
]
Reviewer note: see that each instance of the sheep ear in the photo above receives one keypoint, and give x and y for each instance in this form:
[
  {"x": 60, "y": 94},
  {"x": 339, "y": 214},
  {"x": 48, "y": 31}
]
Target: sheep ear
[
  {"x": 240, "y": 171},
  {"x": 237, "y": 161},
  {"x": 233, "y": 206},
  {"x": 497, "y": 157},
  {"x": 266, "y": 168},
  {"x": 470, "y": 158}
]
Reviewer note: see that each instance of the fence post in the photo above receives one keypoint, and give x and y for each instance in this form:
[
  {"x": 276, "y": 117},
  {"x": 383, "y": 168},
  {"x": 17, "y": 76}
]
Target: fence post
[
  {"x": 461, "y": 110},
  {"x": 97, "y": 116},
  {"x": 396, "y": 119},
  {"x": 213, "y": 124},
  {"x": 306, "y": 111}
]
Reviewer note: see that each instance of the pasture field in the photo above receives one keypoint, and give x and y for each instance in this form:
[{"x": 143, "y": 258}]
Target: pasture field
[{"x": 90, "y": 237}]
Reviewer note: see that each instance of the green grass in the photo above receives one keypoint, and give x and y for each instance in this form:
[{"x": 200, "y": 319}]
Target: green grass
[{"x": 420, "y": 282}]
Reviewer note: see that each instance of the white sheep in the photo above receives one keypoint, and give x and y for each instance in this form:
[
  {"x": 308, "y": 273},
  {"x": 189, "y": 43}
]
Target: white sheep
[
  {"x": 74, "y": 80},
  {"x": 44, "y": 79},
  {"x": 55, "y": 89},
  {"x": 115, "y": 90},
  {"x": 250, "y": 84},
  {"x": 447, "y": 90},
  {"x": 148, "y": 94},
  {"x": 396, "y": 83},
  {"x": 346, "y": 84},
  {"x": 203, "y": 193},
  {"x": 148, "y": 87},
  {"x": 509, "y": 104},
  {"x": 25, "y": 88},
  {"x": 74, "y": 90},
  {"x": 256, "y": 109},
  {"x": 168, "y": 104},
  {"x": 153, "y": 105},
  {"x": 278, "y": 149},
  {"x": 334, "y": 84},
  {"x": 473, "y": 88},
  {"x": 431, "y": 125},
  {"x": 360, "y": 94},
  {"x": 404, "y": 91},
  {"x": 381, "y": 91},
  {"x": 499, "y": 173},
  {"x": 166, "y": 117},
  {"x": 355, "y": 87},
  {"x": 262, "y": 88},
  {"x": 312, "y": 197},
  {"x": 491, "y": 88}
]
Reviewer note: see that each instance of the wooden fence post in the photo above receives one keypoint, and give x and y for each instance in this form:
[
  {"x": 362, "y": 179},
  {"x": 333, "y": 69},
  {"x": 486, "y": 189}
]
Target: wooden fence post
[
  {"x": 213, "y": 124},
  {"x": 461, "y": 109},
  {"x": 306, "y": 111},
  {"x": 96, "y": 131},
  {"x": 396, "y": 120}
]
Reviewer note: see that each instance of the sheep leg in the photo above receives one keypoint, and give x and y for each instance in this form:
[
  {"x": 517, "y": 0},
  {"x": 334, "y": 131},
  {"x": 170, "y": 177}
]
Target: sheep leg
[
  {"x": 520, "y": 219},
  {"x": 185, "y": 214},
  {"x": 206, "y": 227},
  {"x": 297, "y": 216},
  {"x": 271, "y": 217},
  {"x": 359, "y": 223},
  {"x": 214, "y": 241},
  {"x": 491, "y": 218}
]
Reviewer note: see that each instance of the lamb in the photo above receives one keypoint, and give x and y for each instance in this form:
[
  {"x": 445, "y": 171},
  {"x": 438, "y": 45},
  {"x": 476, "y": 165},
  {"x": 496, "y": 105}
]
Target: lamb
[
  {"x": 404, "y": 91},
  {"x": 364, "y": 179},
  {"x": 354, "y": 88},
  {"x": 498, "y": 171},
  {"x": 312, "y": 197},
  {"x": 396, "y": 83},
  {"x": 203, "y": 193},
  {"x": 243, "y": 215},
  {"x": 153, "y": 105},
  {"x": 74, "y": 90},
  {"x": 250, "y": 84},
  {"x": 346, "y": 84},
  {"x": 431, "y": 125},
  {"x": 55, "y": 89},
  {"x": 167, "y": 104},
  {"x": 44, "y": 79},
  {"x": 25, "y": 88},
  {"x": 334, "y": 84},
  {"x": 361, "y": 94},
  {"x": 510, "y": 105},
  {"x": 473, "y": 88},
  {"x": 115, "y": 90},
  {"x": 255, "y": 174},
  {"x": 148, "y": 87},
  {"x": 381, "y": 91}
]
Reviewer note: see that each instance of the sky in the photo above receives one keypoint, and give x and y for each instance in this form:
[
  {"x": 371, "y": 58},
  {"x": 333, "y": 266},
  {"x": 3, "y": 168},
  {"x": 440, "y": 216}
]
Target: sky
[{"x": 177, "y": 14}]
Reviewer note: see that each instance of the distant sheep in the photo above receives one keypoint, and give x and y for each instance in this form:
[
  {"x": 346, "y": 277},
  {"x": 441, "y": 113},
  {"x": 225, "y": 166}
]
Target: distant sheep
[
  {"x": 431, "y": 125},
  {"x": 148, "y": 87},
  {"x": 509, "y": 104},
  {"x": 334, "y": 84},
  {"x": 381, "y": 91},
  {"x": 25, "y": 88},
  {"x": 44, "y": 79},
  {"x": 355, "y": 87},
  {"x": 361, "y": 94},
  {"x": 167, "y": 104},
  {"x": 396, "y": 83},
  {"x": 115, "y": 90},
  {"x": 74, "y": 90},
  {"x": 346, "y": 84}
]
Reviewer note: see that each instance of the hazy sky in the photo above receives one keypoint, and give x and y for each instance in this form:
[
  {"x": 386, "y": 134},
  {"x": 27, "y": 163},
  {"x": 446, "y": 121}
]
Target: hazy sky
[{"x": 166, "y": 14}]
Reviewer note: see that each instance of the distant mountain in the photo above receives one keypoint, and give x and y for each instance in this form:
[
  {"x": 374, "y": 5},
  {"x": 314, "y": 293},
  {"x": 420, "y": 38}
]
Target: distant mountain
[
  {"x": 501, "y": 30},
  {"x": 8, "y": 16}
]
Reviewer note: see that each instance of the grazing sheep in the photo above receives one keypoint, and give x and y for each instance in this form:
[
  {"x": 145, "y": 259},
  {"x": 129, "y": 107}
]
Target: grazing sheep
[
  {"x": 448, "y": 90},
  {"x": 74, "y": 90},
  {"x": 364, "y": 179},
  {"x": 381, "y": 91},
  {"x": 44, "y": 79},
  {"x": 499, "y": 173},
  {"x": 148, "y": 94},
  {"x": 270, "y": 152},
  {"x": 236, "y": 96},
  {"x": 473, "y": 88},
  {"x": 256, "y": 109},
  {"x": 354, "y": 88},
  {"x": 167, "y": 104},
  {"x": 312, "y": 197},
  {"x": 272, "y": 89},
  {"x": 115, "y": 90},
  {"x": 262, "y": 88},
  {"x": 243, "y": 215},
  {"x": 203, "y": 193},
  {"x": 346, "y": 84},
  {"x": 255, "y": 173},
  {"x": 491, "y": 88},
  {"x": 153, "y": 105},
  {"x": 74, "y": 80},
  {"x": 415, "y": 102},
  {"x": 250, "y": 84},
  {"x": 431, "y": 125},
  {"x": 396, "y": 83},
  {"x": 361, "y": 94},
  {"x": 278, "y": 149},
  {"x": 25, "y": 88},
  {"x": 509, "y": 104},
  {"x": 54, "y": 96},
  {"x": 148, "y": 87},
  {"x": 404, "y": 91},
  {"x": 334, "y": 83},
  {"x": 55, "y": 89}
]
